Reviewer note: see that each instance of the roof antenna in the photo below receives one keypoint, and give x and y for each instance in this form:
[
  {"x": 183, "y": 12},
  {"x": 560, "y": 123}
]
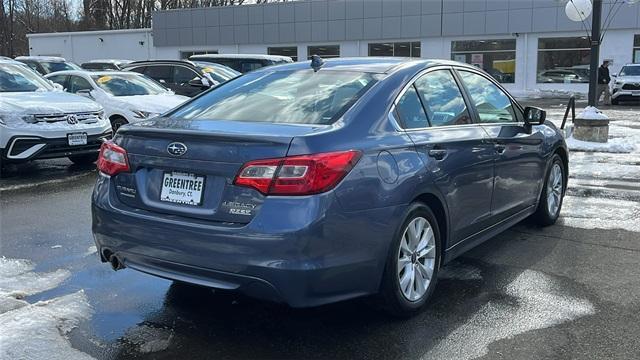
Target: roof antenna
[{"x": 316, "y": 62}]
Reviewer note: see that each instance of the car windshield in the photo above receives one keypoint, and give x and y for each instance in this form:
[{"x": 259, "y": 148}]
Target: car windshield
[
  {"x": 218, "y": 73},
  {"x": 128, "y": 84},
  {"x": 630, "y": 71},
  {"x": 53, "y": 66},
  {"x": 18, "y": 78},
  {"x": 300, "y": 97}
]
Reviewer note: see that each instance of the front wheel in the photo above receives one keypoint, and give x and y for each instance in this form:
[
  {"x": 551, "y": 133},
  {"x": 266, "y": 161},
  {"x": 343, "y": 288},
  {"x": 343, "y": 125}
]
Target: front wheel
[
  {"x": 550, "y": 202},
  {"x": 412, "y": 264}
]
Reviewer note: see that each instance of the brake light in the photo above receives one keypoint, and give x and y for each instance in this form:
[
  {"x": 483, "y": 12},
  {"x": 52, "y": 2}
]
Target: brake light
[
  {"x": 297, "y": 175},
  {"x": 112, "y": 159}
]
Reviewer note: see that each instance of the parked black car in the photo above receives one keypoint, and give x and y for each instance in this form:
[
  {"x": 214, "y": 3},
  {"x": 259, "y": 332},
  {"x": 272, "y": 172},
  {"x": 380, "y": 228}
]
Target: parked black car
[{"x": 183, "y": 77}]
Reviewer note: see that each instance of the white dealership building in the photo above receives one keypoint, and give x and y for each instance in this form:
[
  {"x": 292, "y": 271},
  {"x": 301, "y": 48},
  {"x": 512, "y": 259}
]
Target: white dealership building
[{"x": 526, "y": 44}]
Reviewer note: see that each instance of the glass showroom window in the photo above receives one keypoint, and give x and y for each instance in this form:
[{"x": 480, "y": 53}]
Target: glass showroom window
[
  {"x": 497, "y": 57},
  {"x": 636, "y": 49},
  {"x": 290, "y": 51},
  {"x": 563, "y": 60},
  {"x": 324, "y": 51},
  {"x": 404, "y": 49}
]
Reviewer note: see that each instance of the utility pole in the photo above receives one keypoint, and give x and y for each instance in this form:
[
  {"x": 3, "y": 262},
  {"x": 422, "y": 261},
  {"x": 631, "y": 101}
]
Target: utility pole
[{"x": 595, "y": 52}]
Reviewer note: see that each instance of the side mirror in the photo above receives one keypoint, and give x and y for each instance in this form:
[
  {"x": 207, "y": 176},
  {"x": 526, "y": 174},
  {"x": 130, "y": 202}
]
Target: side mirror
[
  {"x": 85, "y": 92},
  {"x": 197, "y": 82},
  {"x": 534, "y": 116}
]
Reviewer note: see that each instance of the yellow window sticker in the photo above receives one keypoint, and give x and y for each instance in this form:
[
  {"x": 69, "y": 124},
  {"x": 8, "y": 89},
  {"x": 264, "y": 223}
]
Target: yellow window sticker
[
  {"x": 104, "y": 79},
  {"x": 207, "y": 70}
]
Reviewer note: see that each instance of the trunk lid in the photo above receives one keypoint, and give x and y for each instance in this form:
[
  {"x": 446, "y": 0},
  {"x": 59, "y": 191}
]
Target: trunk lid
[{"x": 198, "y": 182}]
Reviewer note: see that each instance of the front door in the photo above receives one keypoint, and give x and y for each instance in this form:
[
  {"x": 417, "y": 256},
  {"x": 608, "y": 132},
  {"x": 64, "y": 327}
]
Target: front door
[
  {"x": 456, "y": 153},
  {"x": 519, "y": 165}
]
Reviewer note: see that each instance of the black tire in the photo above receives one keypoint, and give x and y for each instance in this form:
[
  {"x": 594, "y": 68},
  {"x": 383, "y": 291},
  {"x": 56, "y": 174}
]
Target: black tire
[
  {"x": 393, "y": 299},
  {"x": 116, "y": 122},
  {"x": 84, "y": 159},
  {"x": 544, "y": 216},
  {"x": 615, "y": 102}
]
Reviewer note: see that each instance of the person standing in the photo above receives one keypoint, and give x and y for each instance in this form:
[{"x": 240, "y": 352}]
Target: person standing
[{"x": 603, "y": 83}]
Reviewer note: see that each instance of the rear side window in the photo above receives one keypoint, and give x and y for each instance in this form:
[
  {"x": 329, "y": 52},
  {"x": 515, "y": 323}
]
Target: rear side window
[
  {"x": 183, "y": 75},
  {"x": 59, "y": 79},
  {"x": 161, "y": 73},
  {"x": 300, "y": 97},
  {"x": 442, "y": 99},
  {"x": 77, "y": 83},
  {"x": 492, "y": 104},
  {"x": 139, "y": 69},
  {"x": 410, "y": 110}
]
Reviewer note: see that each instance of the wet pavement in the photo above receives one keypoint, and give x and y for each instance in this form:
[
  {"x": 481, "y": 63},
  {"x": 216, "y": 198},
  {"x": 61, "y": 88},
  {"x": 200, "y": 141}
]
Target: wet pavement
[{"x": 567, "y": 291}]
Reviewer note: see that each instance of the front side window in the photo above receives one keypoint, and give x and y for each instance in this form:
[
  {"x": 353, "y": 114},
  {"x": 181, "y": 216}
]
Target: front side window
[
  {"x": 77, "y": 83},
  {"x": 403, "y": 49},
  {"x": 17, "y": 78},
  {"x": 127, "y": 84},
  {"x": 290, "y": 51},
  {"x": 300, "y": 97},
  {"x": 182, "y": 75},
  {"x": 410, "y": 110},
  {"x": 161, "y": 73},
  {"x": 492, "y": 104},
  {"x": 496, "y": 57},
  {"x": 324, "y": 51},
  {"x": 563, "y": 60},
  {"x": 442, "y": 99}
]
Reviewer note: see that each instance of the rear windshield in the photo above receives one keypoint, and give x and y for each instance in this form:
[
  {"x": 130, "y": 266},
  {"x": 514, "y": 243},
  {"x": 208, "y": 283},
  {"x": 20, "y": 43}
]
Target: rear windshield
[{"x": 299, "y": 97}]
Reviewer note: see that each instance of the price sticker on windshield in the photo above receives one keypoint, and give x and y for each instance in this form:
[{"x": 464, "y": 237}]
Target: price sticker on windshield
[{"x": 104, "y": 79}]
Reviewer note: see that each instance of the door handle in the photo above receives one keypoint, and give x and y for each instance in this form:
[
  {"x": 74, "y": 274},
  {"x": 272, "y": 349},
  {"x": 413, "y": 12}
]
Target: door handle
[
  {"x": 500, "y": 148},
  {"x": 438, "y": 154}
]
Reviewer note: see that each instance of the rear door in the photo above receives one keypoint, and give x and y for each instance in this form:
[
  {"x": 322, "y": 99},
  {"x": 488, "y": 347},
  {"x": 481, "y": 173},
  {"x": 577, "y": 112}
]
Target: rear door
[
  {"x": 455, "y": 152},
  {"x": 520, "y": 165},
  {"x": 181, "y": 77}
]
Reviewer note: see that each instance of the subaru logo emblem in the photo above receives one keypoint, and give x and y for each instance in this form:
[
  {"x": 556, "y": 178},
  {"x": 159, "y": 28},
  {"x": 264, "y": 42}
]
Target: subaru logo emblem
[
  {"x": 177, "y": 149},
  {"x": 72, "y": 119}
]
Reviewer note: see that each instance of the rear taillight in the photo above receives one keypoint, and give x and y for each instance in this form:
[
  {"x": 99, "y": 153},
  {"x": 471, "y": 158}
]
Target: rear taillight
[
  {"x": 112, "y": 159},
  {"x": 297, "y": 175}
]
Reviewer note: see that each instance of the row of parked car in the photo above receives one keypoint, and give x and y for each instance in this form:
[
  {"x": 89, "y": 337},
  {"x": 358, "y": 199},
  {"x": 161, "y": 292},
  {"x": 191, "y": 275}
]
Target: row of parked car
[{"x": 50, "y": 107}]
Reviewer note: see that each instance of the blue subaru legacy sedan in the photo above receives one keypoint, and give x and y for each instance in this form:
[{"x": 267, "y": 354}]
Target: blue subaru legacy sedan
[{"x": 316, "y": 182}]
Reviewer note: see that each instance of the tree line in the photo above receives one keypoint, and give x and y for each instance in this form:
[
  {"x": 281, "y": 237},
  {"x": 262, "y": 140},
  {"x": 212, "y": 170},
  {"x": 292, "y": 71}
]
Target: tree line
[{"x": 21, "y": 17}]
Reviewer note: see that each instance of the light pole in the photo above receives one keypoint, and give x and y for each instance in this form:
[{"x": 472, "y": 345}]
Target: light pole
[{"x": 595, "y": 52}]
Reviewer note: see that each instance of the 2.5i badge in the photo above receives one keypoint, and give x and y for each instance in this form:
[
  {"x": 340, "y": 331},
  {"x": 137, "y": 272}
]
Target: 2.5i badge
[{"x": 238, "y": 208}]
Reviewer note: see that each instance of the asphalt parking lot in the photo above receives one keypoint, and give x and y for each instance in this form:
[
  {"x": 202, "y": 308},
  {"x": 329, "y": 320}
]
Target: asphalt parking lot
[{"x": 567, "y": 291}]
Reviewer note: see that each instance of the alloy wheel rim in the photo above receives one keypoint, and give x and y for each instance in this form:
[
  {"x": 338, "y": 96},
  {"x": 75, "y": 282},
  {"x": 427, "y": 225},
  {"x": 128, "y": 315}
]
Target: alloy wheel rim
[
  {"x": 554, "y": 190},
  {"x": 416, "y": 259}
]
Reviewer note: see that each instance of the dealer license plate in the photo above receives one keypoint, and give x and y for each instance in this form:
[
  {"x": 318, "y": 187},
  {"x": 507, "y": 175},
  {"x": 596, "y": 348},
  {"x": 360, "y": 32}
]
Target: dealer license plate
[
  {"x": 182, "y": 188},
  {"x": 635, "y": 93},
  {"x": 76, "y": 139}
]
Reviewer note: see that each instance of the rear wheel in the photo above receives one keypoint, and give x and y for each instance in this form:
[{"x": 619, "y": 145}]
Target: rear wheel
[
  {"x": 550, "y": 202},
  {"x": 84, "y": 159},
  {"x": 117, "y": 121},
  {"x": 412, "y": 264}
]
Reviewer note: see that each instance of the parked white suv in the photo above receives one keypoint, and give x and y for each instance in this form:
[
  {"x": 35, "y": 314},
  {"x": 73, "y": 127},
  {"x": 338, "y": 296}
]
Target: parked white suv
[
  {"x": 626, "y": 84},
  {"x": 38, "y": 121},
  {"x": 127, "y": 96}
]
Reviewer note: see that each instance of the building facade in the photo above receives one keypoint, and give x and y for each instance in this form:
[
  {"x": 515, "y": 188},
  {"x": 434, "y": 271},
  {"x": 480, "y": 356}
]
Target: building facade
[{"x": 526, "y": 44}]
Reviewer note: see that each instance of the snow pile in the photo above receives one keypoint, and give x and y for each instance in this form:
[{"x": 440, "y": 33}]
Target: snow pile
[
  {"x": 616, "y": 145},
  {"x": 544, "y": 94},
  {"x": 37, "y": 331},
  {"x": 592, "y": 113},
  {"x": 535, "y": 305}
]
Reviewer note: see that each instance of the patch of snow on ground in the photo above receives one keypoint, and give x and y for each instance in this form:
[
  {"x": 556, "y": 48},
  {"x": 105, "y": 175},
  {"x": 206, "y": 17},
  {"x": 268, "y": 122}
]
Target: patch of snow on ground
[
  {"x": 616, "y": 145},
  {"x": 37, "y": 331},
  {"x": 535, "y": 306},
  {"x": 600, "y": 213},
  {"x": 596, "y": 166}
]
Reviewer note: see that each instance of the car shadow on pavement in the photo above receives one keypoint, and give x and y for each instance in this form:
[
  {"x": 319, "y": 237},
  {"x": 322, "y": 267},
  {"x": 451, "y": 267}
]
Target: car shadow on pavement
[{"x": 472, "y": 296}]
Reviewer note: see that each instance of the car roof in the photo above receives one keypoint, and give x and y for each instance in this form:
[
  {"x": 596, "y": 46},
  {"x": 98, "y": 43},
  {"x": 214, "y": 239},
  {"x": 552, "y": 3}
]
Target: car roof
[
  {"x": 42, "y": 58},
  {"x": 382, "y": 65},
  {"x": 632, "y": 64},
  {"x": 172, "y": 62},
  {"x": 108, "y": 61},
  {"x": 239, "y": 56}
]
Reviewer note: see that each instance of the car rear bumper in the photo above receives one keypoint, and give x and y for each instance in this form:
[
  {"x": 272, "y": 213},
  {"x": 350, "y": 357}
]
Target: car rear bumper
[{"x": 328, "y": 257}]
